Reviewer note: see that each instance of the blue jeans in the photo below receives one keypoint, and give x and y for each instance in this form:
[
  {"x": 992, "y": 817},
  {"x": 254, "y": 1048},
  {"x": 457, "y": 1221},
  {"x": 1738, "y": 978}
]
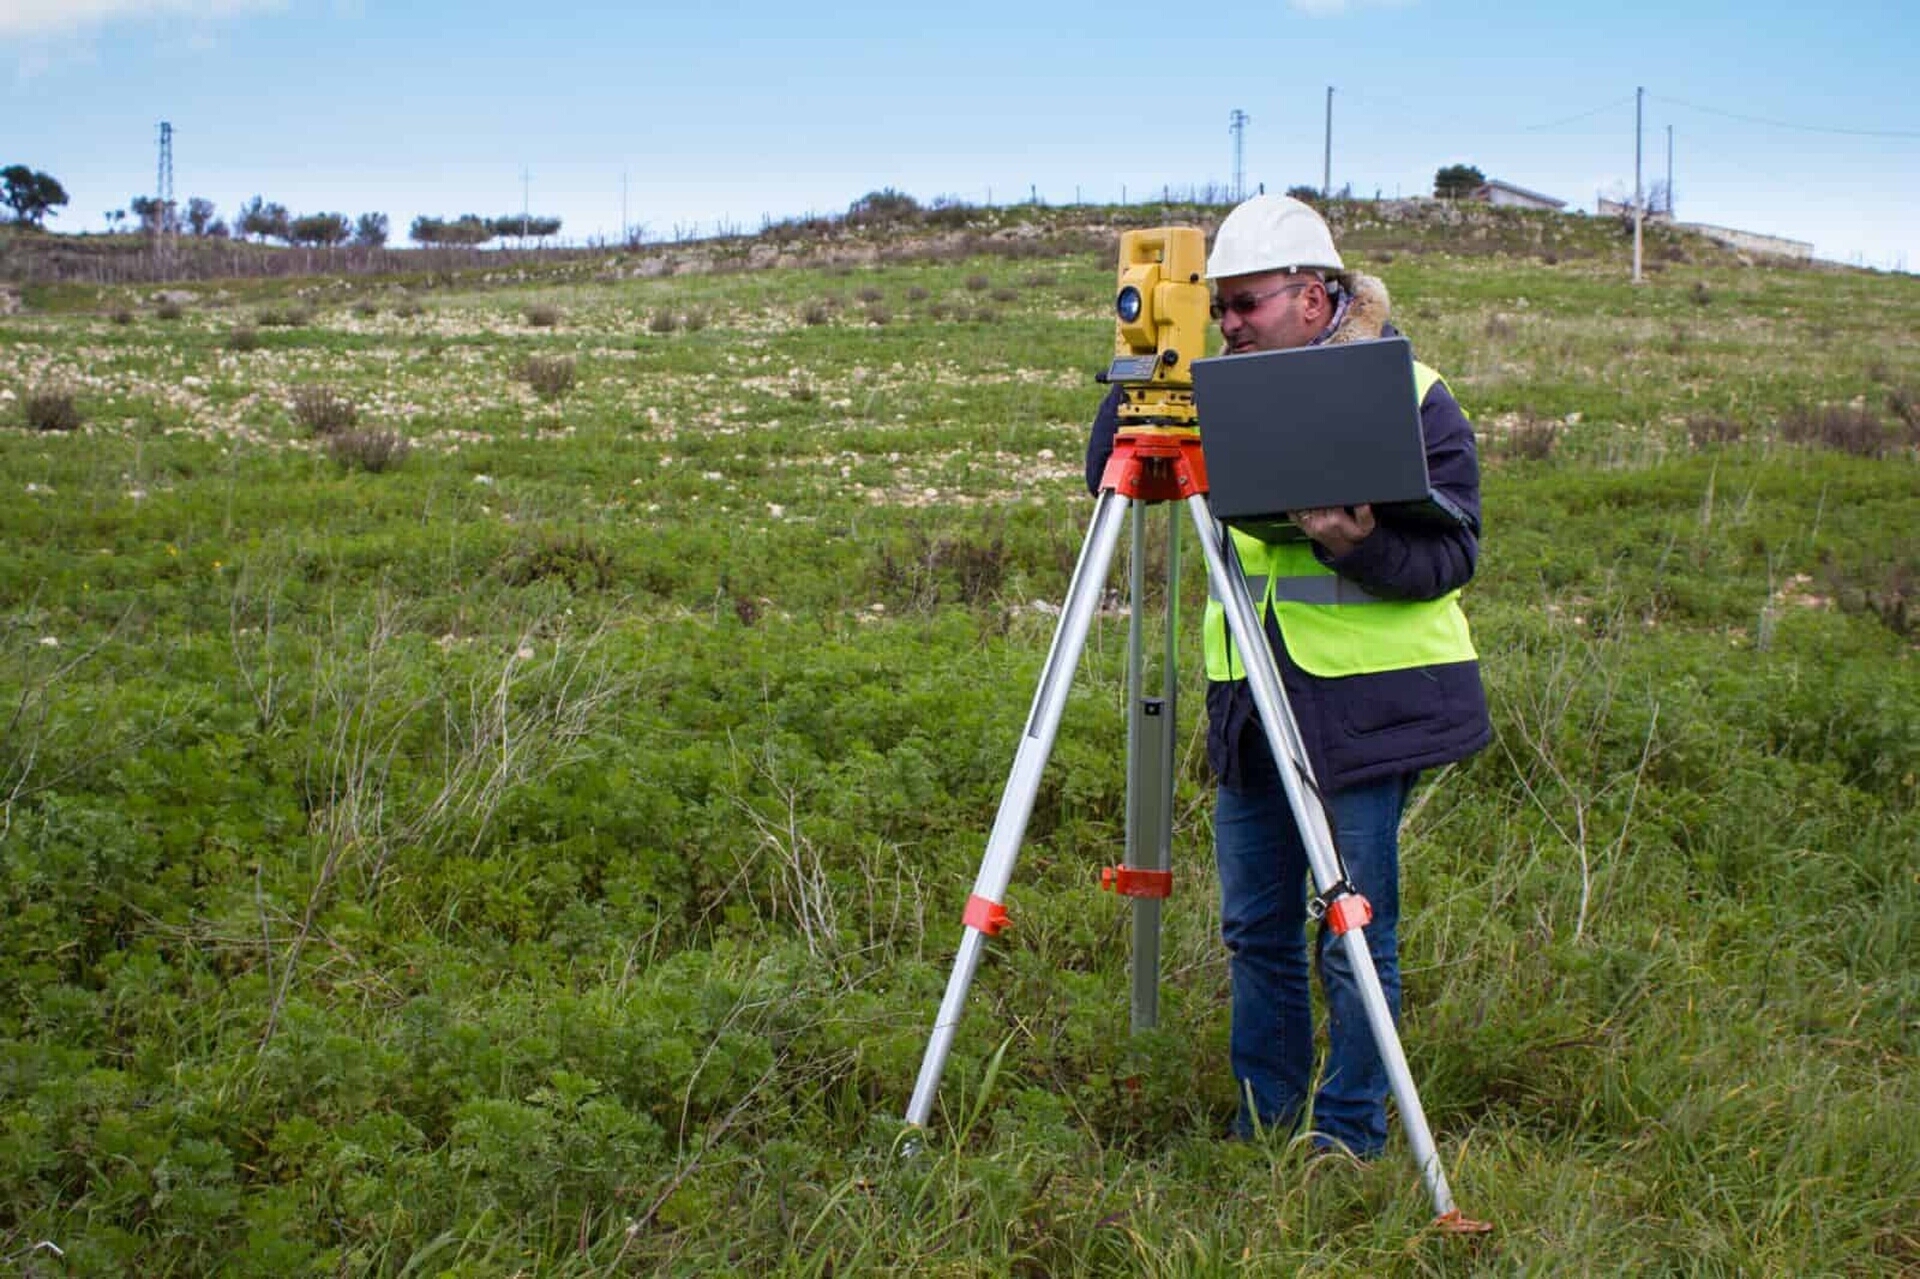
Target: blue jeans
[{"x": 1264, "y": 885}]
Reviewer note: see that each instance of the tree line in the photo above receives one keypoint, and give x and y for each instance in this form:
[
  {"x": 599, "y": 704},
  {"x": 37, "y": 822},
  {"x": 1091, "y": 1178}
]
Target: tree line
[{"x": 34, "y": 196}]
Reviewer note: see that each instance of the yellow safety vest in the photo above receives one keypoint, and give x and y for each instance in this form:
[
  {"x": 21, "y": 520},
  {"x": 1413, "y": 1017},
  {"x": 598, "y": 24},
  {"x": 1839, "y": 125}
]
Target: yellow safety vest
[{"x": 1331, "y": 626}]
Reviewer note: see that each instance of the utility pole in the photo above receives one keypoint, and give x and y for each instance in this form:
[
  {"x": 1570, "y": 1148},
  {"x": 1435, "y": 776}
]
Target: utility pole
[
  {"x": 525, "y": 180},
  {"x": 1326, "y": 168},
  {"x": 1639, "y": 98},
  {"x": 1237, "y": 126},
  {"x": 624, "y": 224},
  {"x": 163, "y": 192}
]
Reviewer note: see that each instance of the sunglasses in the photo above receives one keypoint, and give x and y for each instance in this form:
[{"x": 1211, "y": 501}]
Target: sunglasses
[{"x": 1248, "y": 303}]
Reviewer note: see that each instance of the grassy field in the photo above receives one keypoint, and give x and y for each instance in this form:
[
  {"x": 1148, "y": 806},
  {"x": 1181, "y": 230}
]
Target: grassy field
[{"x": 493, "y": 762}]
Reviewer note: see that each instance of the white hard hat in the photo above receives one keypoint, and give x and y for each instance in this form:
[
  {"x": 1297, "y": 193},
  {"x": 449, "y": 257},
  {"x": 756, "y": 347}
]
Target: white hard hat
[{"x": 1272, "y": 233}]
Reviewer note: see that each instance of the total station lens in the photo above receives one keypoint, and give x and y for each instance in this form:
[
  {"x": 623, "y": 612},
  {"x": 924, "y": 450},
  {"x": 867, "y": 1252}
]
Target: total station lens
[{"x": 1128, "y": 304}]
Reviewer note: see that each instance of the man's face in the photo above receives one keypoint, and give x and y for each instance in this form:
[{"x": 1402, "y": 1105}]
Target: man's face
[{"x": 1271, "y": 311}]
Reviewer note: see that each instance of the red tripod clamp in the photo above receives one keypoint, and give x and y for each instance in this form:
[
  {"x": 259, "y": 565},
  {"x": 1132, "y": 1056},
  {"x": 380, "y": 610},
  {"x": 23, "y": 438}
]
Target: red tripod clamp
[
  {"x": 1131, "y": 881},
  {"x": 987, "y": 916},
  {"x": 1156, "y": 464}
]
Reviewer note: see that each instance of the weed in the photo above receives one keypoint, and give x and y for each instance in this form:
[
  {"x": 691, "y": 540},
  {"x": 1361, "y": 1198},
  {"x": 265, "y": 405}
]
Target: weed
[
  {"x": 917, "y": 293},
  {"x": 169, "y": 310},
  {"x": 275, "y": 317},
  {"x": 242, "y": 337},
  {"x": 366, "y": 308},
  {"x": 695, "y": 319},
  {"x": 122, "y": 316},
  {"x": 542, "y": 315},
  {"x": 870, "y": 293},
  {"x": 51, "y": 408},
  {"x": 816, "y": 313},
  {"x": 1005, "y": 294},
  {"x": 663, "y": 322},
  {"x": 878, "y": 314},
  {"x": 408, "y": 308},
  {"x": 1701, "y": 294},
  {"x": 372, "y": 451},
  {"x": 322, "y": 410},
  {"x": 803, "y": 392},
  {"x": 985, "y": 315},
  {"x": 978, "y": 283},
  {"x": 550, "y": 376},
  {"x": 1497, "y": 327}
]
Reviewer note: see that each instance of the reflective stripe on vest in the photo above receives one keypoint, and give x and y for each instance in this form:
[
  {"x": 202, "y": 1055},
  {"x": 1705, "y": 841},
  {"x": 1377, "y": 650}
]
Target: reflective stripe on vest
[{"x": 1331, "y": 626}]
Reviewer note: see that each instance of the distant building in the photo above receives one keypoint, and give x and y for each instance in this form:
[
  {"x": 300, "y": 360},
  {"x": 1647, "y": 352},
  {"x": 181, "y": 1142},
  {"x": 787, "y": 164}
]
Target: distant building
[
  {"x": 1505, "y": 195},
  {"x": 1624, "y": 209}
]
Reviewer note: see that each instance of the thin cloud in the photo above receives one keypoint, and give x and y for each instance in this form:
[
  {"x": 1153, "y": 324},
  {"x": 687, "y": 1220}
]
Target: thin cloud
[{"x": 43, "y": 19}]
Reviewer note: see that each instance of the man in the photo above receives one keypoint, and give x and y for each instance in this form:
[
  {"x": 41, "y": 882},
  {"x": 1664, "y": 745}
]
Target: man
[{"x": 1384, "y": 684}]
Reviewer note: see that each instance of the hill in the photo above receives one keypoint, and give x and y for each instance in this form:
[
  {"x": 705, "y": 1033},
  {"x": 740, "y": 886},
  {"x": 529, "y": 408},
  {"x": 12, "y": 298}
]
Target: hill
[{"x": 496, "y": 755}]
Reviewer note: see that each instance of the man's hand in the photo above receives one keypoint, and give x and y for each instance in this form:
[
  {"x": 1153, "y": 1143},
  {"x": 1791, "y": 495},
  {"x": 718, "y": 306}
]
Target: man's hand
[{"x": 1338, "y": 528}]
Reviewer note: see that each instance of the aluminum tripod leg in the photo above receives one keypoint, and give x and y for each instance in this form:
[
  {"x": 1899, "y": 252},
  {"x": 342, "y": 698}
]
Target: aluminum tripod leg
[
  {"x": 1023, "y": 784},
  {"x": 1150, "y": 739},
  {"x": 1283, "y": 738}
]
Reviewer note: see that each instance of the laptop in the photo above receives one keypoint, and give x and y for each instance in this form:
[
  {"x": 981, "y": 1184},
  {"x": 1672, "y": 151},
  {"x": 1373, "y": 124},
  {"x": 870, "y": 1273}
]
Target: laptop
[{"x": 1316, "y": 426}]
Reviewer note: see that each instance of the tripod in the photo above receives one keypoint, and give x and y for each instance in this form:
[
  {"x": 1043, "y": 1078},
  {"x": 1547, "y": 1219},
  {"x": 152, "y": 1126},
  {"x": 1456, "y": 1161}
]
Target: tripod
[{"x": 1149, "y": 466}]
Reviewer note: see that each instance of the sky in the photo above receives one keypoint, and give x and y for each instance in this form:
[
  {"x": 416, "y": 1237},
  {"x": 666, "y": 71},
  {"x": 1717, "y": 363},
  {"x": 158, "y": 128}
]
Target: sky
[{"x": 687, "y": 118}]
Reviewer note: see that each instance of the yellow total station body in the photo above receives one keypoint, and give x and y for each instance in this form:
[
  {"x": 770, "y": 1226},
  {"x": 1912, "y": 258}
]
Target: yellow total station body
[{"x": 1162, "y": 321}]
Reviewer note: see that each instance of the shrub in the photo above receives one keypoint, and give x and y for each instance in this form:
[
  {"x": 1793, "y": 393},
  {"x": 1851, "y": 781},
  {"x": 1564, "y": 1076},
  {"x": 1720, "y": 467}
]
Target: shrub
[
  {"x": 979, "y": 283},
  {"x": 917, "y": 294},
  {"x": 51, "y": 408},
  {"x": 550, "y": 376},
  {"x": 1701, "y": 294},
  {"x": 273, "y": 317},
  {"x": 803, "y": 392},
  {"x": 571, "y": 558},
  {"x": 371, "y": 451},
  {"x": 986, "y": 315},
  {"x": 1039, "y": 280},
  {"x": 1842, "y": 428},
  {"x": 694, "y": 320},
  {"x": 870, "y": 293},
  {"x": 1532, "y": 441},
  {"x": 122, "y": 316},
  {"x": 366, "y": 308},
  {"x": 169, "y": 310},
  {"x": 408, "y": 308},
  {"x": 243, "y": 337},
  {"x": 1004, "y": 294},
  {"x": 323, "y": 410},
  {"x": 878, "y": 314},
  {"x": 542, "y": 315},
  {"x": 1904, "y": 403},
  {"x": 663, "y": 322},
  {"x": 1498, "y": 326},
  {"x": 1705, "y": 430}
]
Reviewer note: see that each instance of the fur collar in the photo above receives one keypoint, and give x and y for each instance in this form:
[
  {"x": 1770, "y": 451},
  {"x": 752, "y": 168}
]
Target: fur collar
[{"x": 1366, "y": 311}]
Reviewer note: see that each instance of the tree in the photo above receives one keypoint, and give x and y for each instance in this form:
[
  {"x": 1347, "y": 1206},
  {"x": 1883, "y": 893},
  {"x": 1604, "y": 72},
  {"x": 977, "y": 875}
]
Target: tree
[
  {"x": 1457, "y": 180},
  {"x": 467, "y": 229},
  {"x": 523, "y": 225},
  {"x": 258, "y": 218},
  {"x": 31, "y": 194},
  {"x": 199, "y": 215},
  {"x": 324, "y": 229},
  {"x": 151, "y": 214},
  {"x": 1309, "y": 194},
  {"x": 878, "y": 208},
  {"x": 370, "y": 230}
]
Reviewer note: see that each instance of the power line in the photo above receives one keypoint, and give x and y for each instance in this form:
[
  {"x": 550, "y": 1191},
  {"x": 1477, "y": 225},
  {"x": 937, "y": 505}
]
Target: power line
[
  {"x": 1787, "y": 124},
  {"x": 1555, "y": 124}
]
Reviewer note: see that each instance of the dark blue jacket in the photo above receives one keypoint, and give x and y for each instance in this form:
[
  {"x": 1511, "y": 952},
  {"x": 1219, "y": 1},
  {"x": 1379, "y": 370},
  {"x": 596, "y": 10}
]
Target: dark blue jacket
[{"x": 1360, "y": 728}]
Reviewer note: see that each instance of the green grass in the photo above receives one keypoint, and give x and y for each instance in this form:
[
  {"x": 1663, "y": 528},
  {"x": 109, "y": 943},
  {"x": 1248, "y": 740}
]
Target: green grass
[{"x": 546, "y": 856}]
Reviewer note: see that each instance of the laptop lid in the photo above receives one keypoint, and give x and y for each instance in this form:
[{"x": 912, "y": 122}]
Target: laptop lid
[{"x": 1314, "y": 426}]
